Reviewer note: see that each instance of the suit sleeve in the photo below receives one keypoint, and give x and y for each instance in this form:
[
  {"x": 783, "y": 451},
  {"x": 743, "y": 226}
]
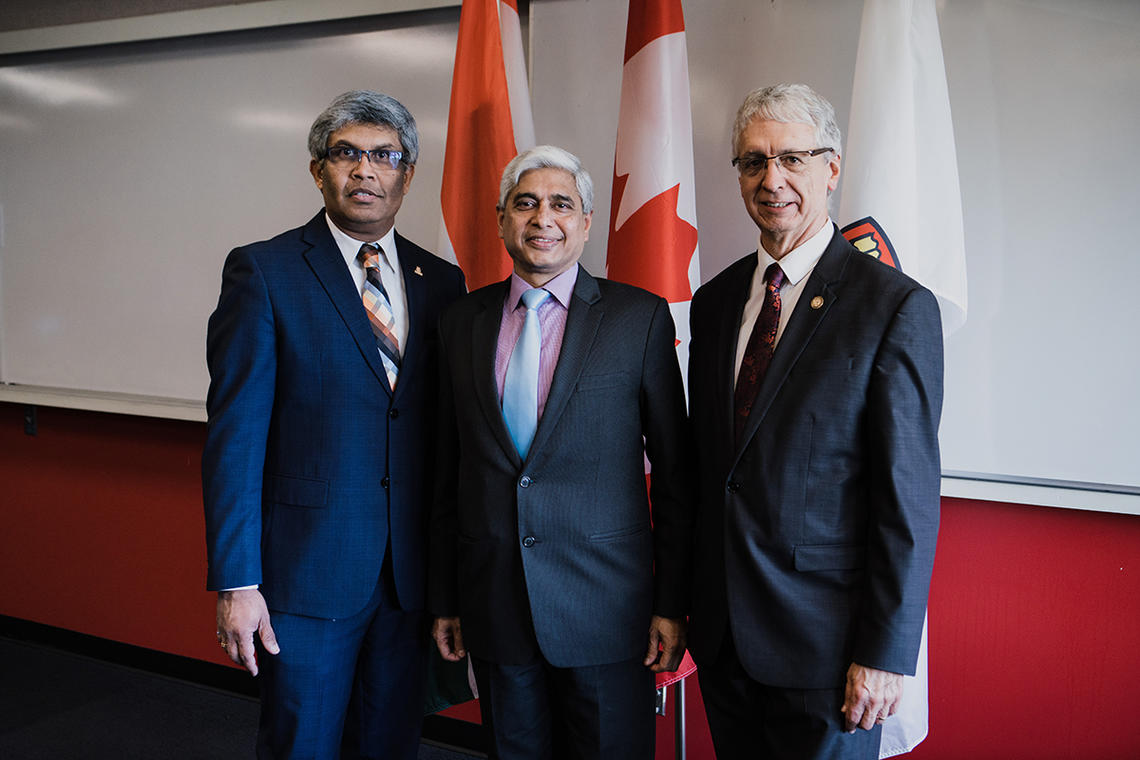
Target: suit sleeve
[
  {"x": 443, "y": 549},
  {"x": 668, "y": 446},
  {"x": 904, "y": 408},
  {"x": 242, "y": 359}
]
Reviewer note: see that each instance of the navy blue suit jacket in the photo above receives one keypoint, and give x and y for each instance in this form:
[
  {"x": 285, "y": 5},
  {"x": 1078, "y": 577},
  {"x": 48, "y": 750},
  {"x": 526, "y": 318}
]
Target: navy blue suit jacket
[
  {"x": 816, "y": 533},
  {"x": 313, "y": 467},
  {"x": 563, "y": 540}
]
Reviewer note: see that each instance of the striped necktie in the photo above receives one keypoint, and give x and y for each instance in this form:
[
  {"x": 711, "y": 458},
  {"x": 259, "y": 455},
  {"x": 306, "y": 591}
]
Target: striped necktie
[{"x": 379, "y": 310}]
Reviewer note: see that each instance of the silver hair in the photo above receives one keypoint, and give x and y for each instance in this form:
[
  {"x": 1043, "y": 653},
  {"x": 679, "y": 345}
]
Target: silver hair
[
  {"x": 365, "y": 107},
  {"x": 789, "y": 103},
  {"x": 547, "y": 157}
]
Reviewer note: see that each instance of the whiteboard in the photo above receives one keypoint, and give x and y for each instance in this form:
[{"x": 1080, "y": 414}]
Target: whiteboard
[
  {"x": 128, "y": 172},
  {"x": 1042, "y": 383}
]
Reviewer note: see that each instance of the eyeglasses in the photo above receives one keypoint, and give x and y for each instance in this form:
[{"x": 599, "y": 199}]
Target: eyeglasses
[
  {"x": 381, "y": 158},
  {"x": 793, "y": 162}
]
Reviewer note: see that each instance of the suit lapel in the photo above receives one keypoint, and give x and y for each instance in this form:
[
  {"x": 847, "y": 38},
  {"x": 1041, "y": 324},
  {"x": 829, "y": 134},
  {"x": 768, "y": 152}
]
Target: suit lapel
[
  {"x": 484, "y": 343},
  {"x": 728, "y": 336},
  {"x": 582, "y": 321},
  {"x": 823, "y": 284},
  {"x": 415, "y": 291},
  {"x": 327, "y": 263}
]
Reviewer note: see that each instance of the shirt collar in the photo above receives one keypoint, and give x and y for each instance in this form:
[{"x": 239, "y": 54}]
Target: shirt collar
[
  {"x": 561, "y": 287},
  {"x": 350, "y": 246},
  {"x": 798, "y": 262}
]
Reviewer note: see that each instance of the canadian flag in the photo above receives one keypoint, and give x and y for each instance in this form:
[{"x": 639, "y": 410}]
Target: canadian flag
[
  {"x": 653, "y": 214},
  {"x": 901, "y": 203},
  {"x": 488, "y": 123}
]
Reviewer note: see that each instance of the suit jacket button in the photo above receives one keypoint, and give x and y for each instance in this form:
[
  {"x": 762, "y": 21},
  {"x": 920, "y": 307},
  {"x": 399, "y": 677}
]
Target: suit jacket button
[
  {"x": 385, "y": 481},
  {"x": 733, "y": 486},
  {"x": 393, "y": 413},
  {"x": 529, "y": 541},
  {"x": 525, "y": 481}
]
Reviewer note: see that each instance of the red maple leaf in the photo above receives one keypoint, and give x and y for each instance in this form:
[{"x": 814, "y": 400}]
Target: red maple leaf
[{"x": 652, "y": 250}]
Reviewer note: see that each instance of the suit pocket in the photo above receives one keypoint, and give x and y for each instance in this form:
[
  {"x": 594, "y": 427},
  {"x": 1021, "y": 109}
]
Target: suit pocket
[
  {"x": 816, "y": 557},
  {"x": 616, "y": 535},
  {"x": 297, "y": 492}
]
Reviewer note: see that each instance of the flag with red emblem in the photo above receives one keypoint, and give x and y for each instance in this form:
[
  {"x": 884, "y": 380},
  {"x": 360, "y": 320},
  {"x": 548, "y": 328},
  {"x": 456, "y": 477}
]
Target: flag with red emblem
[
  {"x": 653, "y": 213},
  {"x": 900, "y": 170},
  {"x": 488, "y": 123},
  {"x": 900, "y": 203}
]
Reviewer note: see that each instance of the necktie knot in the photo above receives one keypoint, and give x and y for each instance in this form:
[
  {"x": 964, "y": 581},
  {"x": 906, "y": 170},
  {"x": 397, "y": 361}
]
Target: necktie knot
[
  {"x": 369, "y": 256},
  {"x": 774, "y": 276},
  {"x": 534, "y": 297}
]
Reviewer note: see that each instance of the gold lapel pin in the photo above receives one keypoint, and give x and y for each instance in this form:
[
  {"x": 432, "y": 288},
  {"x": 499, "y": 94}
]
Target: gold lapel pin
[
  {"x": 817, "y": 302},
  {"x": 419, "y": 271}
]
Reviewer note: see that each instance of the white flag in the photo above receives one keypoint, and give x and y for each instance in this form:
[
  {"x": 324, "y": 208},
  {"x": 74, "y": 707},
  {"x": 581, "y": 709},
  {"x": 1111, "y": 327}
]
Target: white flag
[
  {"x": 901, "y": 171},
  {"x": 900, "y": 165}
]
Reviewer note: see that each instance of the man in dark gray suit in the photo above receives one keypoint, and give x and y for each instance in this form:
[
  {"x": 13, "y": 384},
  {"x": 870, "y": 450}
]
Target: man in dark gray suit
[
  {"x": 545, "y": 563},
  {"x": 815, "y": 382}
]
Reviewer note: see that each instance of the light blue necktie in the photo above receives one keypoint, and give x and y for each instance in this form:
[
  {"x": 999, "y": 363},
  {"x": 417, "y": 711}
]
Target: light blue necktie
[{"x": 520, "y": 387}]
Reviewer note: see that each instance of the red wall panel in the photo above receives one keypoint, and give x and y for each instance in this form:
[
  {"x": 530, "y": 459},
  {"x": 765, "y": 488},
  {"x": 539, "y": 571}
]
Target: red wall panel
[
  {"x": 1034, "y": 634},
  {"x": 101, "y": 528}
]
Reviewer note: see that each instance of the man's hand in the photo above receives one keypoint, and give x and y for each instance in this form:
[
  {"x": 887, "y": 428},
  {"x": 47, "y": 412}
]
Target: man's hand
[
  {"x": 666, "y": 644},
  {"x": 239, "y": 614},
  {"x": 448, "y": 635},
  {"x": 872, "y": 696}
]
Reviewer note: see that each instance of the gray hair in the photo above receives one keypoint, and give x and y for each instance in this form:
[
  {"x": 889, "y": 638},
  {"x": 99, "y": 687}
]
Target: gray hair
[
  {"x": 547, "y": 157},
  {"x": 365, "y": 107},
  {"x": 789, "y": 103}
]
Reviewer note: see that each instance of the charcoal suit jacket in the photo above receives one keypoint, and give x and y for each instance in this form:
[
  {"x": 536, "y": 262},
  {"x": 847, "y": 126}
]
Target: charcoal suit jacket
[
  {"x": 816, "y": 531},
  {"x": 556, "y": 554}
]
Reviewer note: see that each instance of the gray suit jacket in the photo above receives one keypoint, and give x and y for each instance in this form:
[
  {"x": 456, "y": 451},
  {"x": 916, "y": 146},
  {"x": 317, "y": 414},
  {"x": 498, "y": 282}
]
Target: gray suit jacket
[
  {"x": 816, "y": 533},
  {"x": 558, "y": 552}
]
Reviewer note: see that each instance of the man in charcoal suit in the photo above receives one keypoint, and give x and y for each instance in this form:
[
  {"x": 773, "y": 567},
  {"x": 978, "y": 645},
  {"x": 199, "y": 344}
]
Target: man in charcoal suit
[
  {"x": 317, "y": 467},
  {"x": 545, "y": 564},
  {"x": 815, "y": 382}
]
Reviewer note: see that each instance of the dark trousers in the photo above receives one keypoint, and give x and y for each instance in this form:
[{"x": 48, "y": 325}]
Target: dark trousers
[
  {"x": 751, "y": 720},
  {"x": 539, "y": 712},
  {"x": 351, "y": 687}
]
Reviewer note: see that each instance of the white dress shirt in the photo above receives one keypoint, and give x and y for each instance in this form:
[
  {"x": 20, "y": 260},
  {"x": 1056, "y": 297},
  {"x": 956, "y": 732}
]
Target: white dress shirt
[
  {"x": 797, "y": 264},
  {"x": 390, "y": 274}
]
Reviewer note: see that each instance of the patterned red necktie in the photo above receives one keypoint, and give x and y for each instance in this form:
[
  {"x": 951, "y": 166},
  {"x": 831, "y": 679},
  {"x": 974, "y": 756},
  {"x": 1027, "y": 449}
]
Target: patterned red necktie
[{"x": 758, "y": 353}]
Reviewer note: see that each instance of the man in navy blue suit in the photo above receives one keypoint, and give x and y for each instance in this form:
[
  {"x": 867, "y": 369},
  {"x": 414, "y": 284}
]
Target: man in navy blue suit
[
  {"x": 815, "y": 382},
  {"x": 323, "y": 377}
]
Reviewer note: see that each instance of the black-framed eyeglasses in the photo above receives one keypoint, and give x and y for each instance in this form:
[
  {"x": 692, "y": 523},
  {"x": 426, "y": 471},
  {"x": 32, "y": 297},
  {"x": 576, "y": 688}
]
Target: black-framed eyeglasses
[
  {"x": 793, "y": 162},
  {"x": 381, "y": 158}
]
